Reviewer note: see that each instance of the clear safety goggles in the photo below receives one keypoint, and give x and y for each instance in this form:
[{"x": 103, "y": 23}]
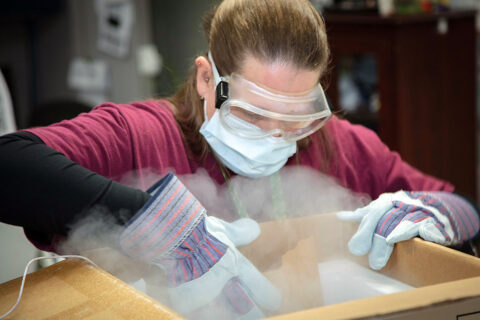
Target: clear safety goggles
[{"x": 251, "y": 111}]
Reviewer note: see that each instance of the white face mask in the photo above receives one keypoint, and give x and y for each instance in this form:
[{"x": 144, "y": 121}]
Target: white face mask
[{"x": 253, "y": 158}]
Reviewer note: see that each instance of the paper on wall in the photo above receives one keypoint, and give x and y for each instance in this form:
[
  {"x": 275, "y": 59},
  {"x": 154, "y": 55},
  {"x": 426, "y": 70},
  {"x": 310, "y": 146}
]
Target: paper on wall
[
  {"x": 115, "y": 22},
  {"x": 90, "y": 78},
  {"x": 88, "y": 74}
]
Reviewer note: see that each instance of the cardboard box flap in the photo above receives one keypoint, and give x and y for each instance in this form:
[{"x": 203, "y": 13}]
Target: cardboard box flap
[
  {"x": 421, "y": 263},
  {"x": 75, "y": 289},
  {"x": 407, "y": 301}
]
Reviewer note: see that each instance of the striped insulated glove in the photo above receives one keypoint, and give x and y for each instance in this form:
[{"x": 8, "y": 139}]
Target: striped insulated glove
[
  {"x": 198, "y": 254},
  {"x": 440, "y": 217}
]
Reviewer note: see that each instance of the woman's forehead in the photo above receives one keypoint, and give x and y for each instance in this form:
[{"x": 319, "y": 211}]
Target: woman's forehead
[{"x": 279, "y": 76}]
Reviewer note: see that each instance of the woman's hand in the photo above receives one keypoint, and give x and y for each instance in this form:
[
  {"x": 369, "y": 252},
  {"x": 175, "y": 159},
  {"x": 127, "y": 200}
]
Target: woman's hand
[
  {"x": 204, "y": 270},
  {"x": 439, "y": 217}
]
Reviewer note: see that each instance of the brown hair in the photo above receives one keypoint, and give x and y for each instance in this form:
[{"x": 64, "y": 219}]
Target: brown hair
[{"x": 289, "y": 31}]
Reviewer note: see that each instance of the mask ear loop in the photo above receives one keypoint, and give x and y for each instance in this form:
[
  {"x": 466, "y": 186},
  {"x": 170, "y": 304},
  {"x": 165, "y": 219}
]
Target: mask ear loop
[
  {"x": 205, "y": 118},
  {"x": 25, "y": 276}
]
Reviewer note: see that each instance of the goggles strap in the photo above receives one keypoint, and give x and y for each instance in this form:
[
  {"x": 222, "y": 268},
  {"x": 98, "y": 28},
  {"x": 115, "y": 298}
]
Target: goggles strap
[
  {"x": 216, "y": 75},
  {"x": 221, "y": 84}
]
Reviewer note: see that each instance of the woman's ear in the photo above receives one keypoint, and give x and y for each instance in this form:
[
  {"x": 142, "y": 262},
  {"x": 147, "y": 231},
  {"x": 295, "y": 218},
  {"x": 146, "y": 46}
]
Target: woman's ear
[{"x": 204, "y": 77}]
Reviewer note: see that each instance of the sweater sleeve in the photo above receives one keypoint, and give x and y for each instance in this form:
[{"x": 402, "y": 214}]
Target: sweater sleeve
[
  {"x": 45, "y": 192},
  {"x": 122, "y": 141},
  {"x": 369, "y": 166},
  {"x": 99, "y": 140}
]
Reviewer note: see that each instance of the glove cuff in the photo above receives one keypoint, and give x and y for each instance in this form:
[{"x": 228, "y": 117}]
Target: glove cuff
[
  {"x": 462, "y": 215},
  {"x": 164, "y": 222}
]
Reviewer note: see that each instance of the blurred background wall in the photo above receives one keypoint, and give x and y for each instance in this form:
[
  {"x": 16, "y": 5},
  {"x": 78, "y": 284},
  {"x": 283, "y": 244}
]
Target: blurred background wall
[
  {"x": 41, "y": 39},
  {"x": 55, "y": 68}
]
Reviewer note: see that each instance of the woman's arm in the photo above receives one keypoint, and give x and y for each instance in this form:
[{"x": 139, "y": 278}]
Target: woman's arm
[{"x": 44, "y": 191}]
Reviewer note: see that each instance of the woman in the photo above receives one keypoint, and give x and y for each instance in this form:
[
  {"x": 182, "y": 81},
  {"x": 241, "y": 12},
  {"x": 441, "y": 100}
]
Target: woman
[{"x": 250, "y": 106}]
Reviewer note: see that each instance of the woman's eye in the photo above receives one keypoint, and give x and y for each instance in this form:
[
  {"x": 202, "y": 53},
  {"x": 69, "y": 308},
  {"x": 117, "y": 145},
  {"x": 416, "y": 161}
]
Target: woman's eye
[
  {"x": 248, "y": 116},
  {"x": 254, "y": 117}
]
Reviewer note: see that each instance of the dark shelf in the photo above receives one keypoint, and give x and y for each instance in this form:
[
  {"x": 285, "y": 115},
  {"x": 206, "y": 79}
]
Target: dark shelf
[
  {"x": 396, "y": 19},
  {"x": 426, "y": 87}
]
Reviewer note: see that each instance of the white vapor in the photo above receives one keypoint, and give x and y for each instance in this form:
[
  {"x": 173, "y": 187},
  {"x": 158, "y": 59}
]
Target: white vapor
[{"x": 294, "y": 192}]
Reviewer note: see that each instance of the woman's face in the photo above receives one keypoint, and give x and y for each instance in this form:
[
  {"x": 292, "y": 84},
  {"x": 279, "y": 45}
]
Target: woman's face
[{"x": 276, "y": 77}]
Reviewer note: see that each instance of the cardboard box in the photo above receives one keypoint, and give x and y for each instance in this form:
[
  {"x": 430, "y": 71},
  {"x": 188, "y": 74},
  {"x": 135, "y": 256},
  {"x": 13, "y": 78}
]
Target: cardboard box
[
  {"x": 74, "y": 289},
  {"x": 288, "y": 252},
  {"x": 447, "y": 281}
]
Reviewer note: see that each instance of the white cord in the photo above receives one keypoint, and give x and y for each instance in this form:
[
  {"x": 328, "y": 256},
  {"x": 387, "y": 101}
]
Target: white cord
[{"x": 25, "y": 276}]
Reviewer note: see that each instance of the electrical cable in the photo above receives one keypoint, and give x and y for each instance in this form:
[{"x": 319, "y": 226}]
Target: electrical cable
[{"x": 25, "y": 276}]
